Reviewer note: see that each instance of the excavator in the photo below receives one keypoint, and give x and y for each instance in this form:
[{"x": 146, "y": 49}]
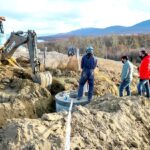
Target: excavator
[{"x": 17, "y": 39}]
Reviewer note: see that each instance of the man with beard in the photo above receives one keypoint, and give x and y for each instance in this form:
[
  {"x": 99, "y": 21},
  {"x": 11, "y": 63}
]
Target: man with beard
[
  {"x": 126, "y": 76},
  {"x": 144, "y": 73}
]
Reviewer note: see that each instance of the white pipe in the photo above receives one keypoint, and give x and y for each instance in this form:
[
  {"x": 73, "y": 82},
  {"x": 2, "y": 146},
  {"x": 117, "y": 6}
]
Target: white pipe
[{"x": 68, "y": 127}]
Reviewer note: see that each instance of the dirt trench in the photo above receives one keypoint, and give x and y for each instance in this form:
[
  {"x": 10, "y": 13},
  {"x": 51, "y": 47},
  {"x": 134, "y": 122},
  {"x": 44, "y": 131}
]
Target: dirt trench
[{"x": 20, "y": 97}]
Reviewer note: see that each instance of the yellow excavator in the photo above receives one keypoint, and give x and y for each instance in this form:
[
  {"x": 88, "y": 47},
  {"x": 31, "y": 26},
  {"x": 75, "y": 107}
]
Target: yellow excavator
[{"x": 17, "y": 39}]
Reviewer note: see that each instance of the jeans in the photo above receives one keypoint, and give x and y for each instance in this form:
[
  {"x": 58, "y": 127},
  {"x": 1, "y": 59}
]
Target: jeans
[
  {"x": 143, "y": 84},
  {"x": 125, "y": 84},
  {"x": 84, "y": 78}
]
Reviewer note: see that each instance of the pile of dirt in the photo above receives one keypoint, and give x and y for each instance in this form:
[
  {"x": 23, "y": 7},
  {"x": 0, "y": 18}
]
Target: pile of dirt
[
  {"x": 106, "y": 123},
  {"x": 20, "y": 97},
  {"x": 112, "y": 69},
  {"x": 104, "y": 85},
  {"x": 23, "y": 61},
  {"x": 61, "y": 61}
]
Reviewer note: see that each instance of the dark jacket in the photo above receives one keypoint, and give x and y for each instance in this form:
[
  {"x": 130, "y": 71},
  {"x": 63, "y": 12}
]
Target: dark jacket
[{"x": 89, "y": 62}]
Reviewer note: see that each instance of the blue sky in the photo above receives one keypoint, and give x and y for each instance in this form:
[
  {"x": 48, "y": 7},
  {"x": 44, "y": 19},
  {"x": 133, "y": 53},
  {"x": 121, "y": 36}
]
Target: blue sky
[{"x": 58, "y": 16}]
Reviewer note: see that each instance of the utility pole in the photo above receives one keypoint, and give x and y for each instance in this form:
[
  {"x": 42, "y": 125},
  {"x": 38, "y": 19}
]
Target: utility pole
[
  {"x": 78, "y": 57},
  {"x": 45, "y": 50},
  {"x": 106, "y": 52}
]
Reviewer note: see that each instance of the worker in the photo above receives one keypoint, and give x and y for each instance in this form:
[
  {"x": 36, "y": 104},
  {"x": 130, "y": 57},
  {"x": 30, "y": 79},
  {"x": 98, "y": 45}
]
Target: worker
[
  {"x": 144, "y": 73},
  {"x": 71, "y": 51},
  {"x": 88, "y": 64},
  {"x": 126, "y": 76}
]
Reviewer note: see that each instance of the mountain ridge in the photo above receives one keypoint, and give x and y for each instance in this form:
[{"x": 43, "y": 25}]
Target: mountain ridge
[{"x": 139, "y": 28}]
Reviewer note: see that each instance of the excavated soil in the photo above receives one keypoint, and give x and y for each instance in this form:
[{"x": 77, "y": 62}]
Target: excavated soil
[
  {"x": 107, "y": 123},
  {"x": 20, "y": 97}
]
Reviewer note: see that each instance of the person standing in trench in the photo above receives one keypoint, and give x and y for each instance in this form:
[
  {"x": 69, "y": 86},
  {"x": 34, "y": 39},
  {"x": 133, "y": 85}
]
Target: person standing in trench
[{"x": 88, "y": 64}]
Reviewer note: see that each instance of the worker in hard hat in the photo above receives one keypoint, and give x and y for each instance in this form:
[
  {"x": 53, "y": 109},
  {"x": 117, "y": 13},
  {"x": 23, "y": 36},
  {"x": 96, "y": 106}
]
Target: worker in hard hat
[{"x": 88, "y": 64}]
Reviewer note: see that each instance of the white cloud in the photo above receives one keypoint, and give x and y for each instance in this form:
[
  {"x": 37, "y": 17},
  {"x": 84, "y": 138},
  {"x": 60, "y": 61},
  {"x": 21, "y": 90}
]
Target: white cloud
[
  {"x": 109, "y": 12},
  {"x": 55, "y": 16}
]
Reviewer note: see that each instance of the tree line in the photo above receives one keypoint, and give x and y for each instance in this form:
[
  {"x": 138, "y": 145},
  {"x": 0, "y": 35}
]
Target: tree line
[{"x": 111, "y": 47}]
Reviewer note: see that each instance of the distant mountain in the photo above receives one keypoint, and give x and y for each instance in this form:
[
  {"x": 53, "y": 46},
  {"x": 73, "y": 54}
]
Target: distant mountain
[{"x": 140, "y": 28}]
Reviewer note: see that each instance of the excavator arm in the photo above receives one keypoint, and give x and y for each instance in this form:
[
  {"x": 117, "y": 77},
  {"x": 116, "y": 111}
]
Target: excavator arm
[{"x": 17, "y": 39}]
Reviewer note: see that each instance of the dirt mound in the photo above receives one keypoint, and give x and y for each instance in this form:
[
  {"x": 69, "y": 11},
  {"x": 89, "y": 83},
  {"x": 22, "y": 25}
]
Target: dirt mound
[
  {"x": 106, "y": 123},
  {"x": 20, "y": 97},
  {"x": 112, "y": 69},
  {"x": 23, "y": 61},
  {"x": 57, "y": 60},
  {"x": 103, "y": 84}
]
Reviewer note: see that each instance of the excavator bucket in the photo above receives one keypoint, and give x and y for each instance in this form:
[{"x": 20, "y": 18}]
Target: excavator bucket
[
  {"x": 12, "y": 61},
  {"x": 43, "y": 78}
]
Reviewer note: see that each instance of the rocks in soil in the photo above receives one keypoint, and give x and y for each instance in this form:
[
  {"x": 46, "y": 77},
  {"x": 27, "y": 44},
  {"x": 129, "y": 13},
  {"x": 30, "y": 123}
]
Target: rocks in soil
[
  {"x": 106, "y": 123},
  {"x": 20, "y": 98}
]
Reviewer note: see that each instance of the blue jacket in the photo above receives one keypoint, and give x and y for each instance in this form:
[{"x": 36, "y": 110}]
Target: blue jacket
[
  {"x": 127, "y": 71},
  {"x": 88, "y": 63}
]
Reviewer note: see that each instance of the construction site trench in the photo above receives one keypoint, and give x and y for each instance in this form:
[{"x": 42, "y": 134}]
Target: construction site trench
[
  {"x": 20, "y": 97},
  {"x": 29, "y": 119}
]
